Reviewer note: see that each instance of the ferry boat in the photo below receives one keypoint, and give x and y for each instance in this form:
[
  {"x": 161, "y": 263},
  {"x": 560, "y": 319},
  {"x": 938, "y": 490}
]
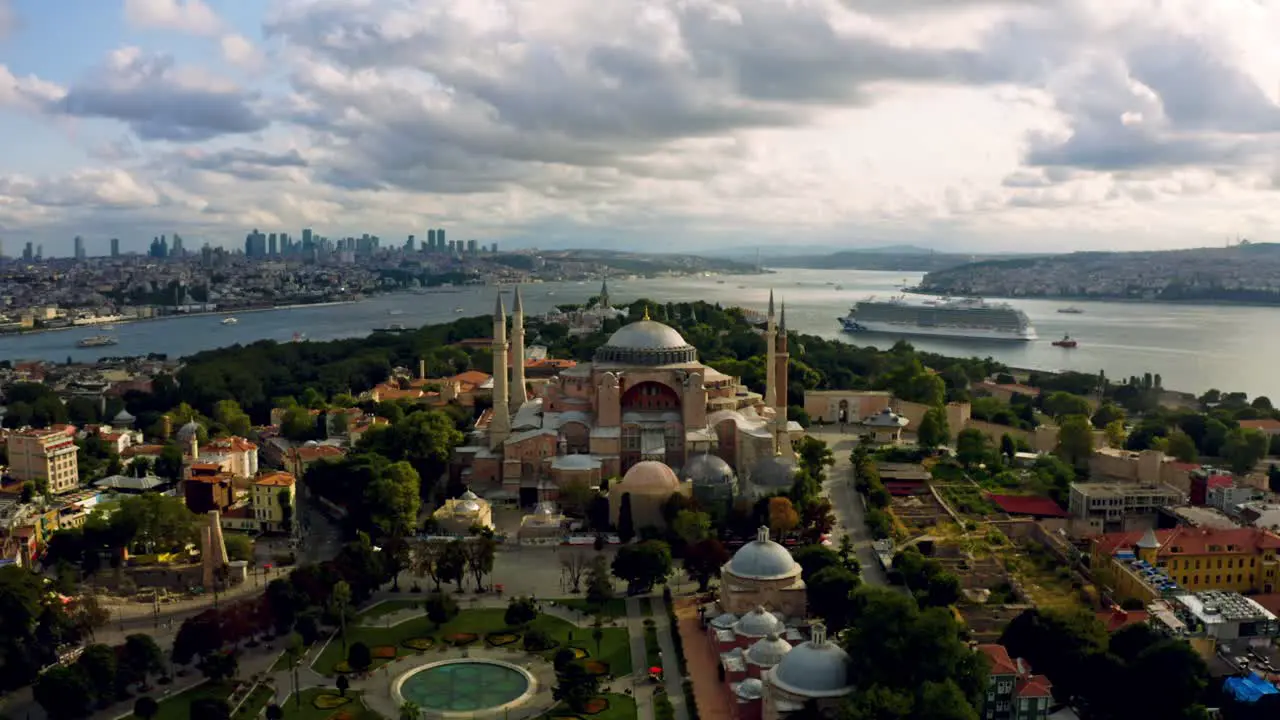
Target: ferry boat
[
  {"x": 1071, "y": 311},
  {"x": 229, "y": 321},
  {"x": 1065, "y": 342},
  {"x": 97, "y": 341},
  {"x": 971, "y": 318}
]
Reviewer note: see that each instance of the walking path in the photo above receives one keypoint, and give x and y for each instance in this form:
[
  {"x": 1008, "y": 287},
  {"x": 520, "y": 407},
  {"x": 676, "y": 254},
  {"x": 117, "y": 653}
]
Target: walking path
[
  {"x": 702, "y": 662},
  {"x": 639, "y": 664},
  {"x": 672, "y": 675}
]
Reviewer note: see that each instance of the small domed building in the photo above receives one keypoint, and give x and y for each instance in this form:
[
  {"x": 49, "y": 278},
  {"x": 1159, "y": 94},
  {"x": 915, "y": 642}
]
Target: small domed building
[
  {"x": 762, "y": 573},
  {"x": 649, "y": 484},
  {"x": 545, "y": 525},
  {"x": 885, "y": 427},
  {"x": 770, "y": 476},
  {"x": 458, "y": 515},
  {"x": 714, "y": 484},
  {"x": 817, "y": 670},
  {"x": 123, "y": 420}
]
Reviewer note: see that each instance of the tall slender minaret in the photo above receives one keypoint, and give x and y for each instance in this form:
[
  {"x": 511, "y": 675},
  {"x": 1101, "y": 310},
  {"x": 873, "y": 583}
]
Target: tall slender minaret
[
  {"x": 500, "y": 425},
  {"x": 781, "y": 436},
  {"x": 518, "y": 395},
  {"x": 604, "y": 292},
  {"x": 770, "y": 339}
]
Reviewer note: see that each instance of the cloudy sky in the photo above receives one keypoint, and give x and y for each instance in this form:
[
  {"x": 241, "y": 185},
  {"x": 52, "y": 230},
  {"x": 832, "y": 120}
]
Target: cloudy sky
[{"x": 656, "y": 124}]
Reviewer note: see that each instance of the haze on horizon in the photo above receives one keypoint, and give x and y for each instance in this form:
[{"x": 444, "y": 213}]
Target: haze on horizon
[{"x": 957, "y": 125}]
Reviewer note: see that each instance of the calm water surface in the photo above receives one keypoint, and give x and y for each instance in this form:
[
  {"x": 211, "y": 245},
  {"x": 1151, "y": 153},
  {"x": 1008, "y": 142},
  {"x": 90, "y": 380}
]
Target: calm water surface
[{"x": 1193, "y": 347}]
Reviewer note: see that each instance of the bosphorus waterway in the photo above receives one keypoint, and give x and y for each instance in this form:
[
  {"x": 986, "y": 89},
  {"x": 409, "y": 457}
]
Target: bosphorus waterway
[{"x": 1193, "y": 347}]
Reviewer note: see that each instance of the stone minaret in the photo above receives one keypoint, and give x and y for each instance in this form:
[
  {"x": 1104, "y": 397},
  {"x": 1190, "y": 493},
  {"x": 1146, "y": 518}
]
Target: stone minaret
[
  {"x": 770, "y": 339},
  {"x": 500, "y": 425},
  {"x": 781, "y": 359},
  {"x": 604, "y": 292},
  {"x": 518, "y": 395}
]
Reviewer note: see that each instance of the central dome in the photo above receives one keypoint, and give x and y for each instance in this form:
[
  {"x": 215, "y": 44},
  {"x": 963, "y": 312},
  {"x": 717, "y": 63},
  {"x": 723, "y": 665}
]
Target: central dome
[
  {"x": 646, "y": 342},
  {"x": 763, "y": 559},
  {"x": 649, "y": 477}
]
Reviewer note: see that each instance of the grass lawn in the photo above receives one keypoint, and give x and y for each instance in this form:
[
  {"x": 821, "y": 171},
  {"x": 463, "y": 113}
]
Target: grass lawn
[
  {"x": 613, "y": 645},
  {"x": 621, "y": 707},
  {"x": 257, "y": 700},
  {"x": 178, "y": 707},
  {"x": 309, "y": 711},
  {"x": 612, "y": 608},
  {"x": 387, "y": 607}
]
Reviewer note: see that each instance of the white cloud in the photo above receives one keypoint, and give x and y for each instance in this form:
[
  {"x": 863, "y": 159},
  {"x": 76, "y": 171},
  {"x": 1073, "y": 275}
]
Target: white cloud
[
  {"x": 188, "y": 16},
  {"x": 961, "y": 123},
  {"x": 240, "y": 52}
]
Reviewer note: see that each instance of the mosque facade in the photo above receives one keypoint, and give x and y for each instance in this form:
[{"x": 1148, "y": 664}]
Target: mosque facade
[{"x": 644, "y": 399}]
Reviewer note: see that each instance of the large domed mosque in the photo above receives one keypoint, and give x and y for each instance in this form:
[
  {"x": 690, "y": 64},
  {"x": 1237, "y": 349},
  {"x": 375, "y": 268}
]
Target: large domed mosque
[{"x": 644, "y": 409}]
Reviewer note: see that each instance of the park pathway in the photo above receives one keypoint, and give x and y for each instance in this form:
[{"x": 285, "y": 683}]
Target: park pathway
[
  {"x": 639, "y": 664},
  {"x": 672, "y": 677}
]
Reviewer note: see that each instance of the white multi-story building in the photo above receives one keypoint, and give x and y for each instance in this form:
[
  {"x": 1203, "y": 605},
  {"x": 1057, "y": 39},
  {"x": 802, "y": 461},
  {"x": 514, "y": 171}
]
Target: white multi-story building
[{"x": 46, "y": 455}]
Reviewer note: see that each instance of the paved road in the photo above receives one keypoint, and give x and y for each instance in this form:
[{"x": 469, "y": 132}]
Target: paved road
[
  {"x": 850, "y": 512},
  {"x": 672, "y": 678},
  {"x": 639, "y": 660}
]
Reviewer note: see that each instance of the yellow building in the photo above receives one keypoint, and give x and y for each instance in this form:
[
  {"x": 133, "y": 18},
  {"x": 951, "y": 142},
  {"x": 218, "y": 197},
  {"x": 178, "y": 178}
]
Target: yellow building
[
  {"x": 1146, "y": 565},
  {"x": 264, "y": 499},
  {"x": 45, "y": 455}
]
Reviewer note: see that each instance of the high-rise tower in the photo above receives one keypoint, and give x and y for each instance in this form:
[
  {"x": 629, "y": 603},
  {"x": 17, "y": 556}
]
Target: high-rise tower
[
  {"x": 518, "y": 395},
  {"x": 500, "y": 424}
]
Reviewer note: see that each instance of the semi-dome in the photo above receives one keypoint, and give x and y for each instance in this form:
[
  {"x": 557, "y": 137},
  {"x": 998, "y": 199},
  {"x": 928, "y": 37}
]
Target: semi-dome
[
  {"x": 814, "y": 669},
  {"x": 649, "y": 477},
  {"x": 763, "y": 559},
  {"x": 646, "y": 342},
  {"x": 759, "y": 623},
  {"x": 749, "y": 689},
  {"x": 774, "y": 472},
  {"x": 708, "y": 469},
  {"x": 769, "y": 651}
]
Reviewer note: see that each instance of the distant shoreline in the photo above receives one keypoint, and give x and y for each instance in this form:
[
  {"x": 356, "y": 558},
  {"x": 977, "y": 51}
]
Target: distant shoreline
[{"x": 178, "y": 316}]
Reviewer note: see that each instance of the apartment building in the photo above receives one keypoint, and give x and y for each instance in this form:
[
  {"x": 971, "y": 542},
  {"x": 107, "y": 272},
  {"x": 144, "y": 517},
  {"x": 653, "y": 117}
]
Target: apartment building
[
  {"x": 264, "y": 500},
  {"x": 45, "y": 455},
  {"x": 1114, "y": 507},
  {"x": 1014, "y": 692},
  {"x": 1152, "y": 564}
]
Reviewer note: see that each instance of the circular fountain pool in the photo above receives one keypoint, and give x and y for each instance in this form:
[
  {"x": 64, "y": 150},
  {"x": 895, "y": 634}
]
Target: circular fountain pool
[{"x": 465, "y": 686}]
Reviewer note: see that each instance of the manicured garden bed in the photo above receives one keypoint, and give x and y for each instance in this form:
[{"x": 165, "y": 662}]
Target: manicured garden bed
[
  {"x": 461, "y": 639},
  {"x": 419, "y": 643},
  {"x": 329, "y": 701},
  {"x": 502, "y": 639}
]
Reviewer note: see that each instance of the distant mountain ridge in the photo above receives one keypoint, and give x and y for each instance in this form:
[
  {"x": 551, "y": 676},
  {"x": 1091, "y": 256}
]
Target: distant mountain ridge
[{"x": 1247, "y": 273}]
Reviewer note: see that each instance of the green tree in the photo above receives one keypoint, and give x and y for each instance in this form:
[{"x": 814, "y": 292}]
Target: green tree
[
  {"x": 692, "y": 526},
  {"x": 1116, "y": 433},
  {"x": 829, "y": 593},
  {"x": 1061, "y": 404},
  {"x": 1075, "y": 439},
  {"x": 599, "y": 582},
  {"x": 339, "y": 605},
  {"x": 626, "y": 525},
  {"x": 100, "y": 668},
  {"x": 813, "y": 457},
  {"x": 169, "y": 463},
  {"x": 1007, "y": 446},
  {"x": 298, "y": 424},
  {"x": 393, "y": 499},
  {"x": 643, "y": 565},
  {"x": 1243, "y": 448},
  {"x": 210, "y": 708},
  {"x": 285, "y": 499},
  {"x": 933, "y": 431},
  {"x": 1107, "y": 413},
  {"x": 239, "y": 547},
  {"x": 359, "y": 657},
  {"x": 452, "y": 565},
  {"x": 971, "y": 447},
  {"x": 703, "y": 560},
  {"x": 64, "y": 693},
  {"x": 575, "y": 686},
  {"x": 343, "y": 684},
  {"x": 1181, "y": 446},
  {"x": 219, "y": 666},
  {"x": 142, "y": 655},
  {"x": 145, "y": 707},
  {"x": 441, "y": 608},
  {"x": 228, "y": 414},
  {"x": 520, "y": 612}
]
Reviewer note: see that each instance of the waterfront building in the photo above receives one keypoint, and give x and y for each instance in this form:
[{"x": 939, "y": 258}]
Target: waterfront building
[
  {"x": 644, "y": 398},
  {"x": 45, "y": 456},
  {"x": 1151, "y": 564}
]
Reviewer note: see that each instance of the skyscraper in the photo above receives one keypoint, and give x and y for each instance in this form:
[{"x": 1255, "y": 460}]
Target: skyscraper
[
  {"x": 306, "y": 238},
  {"x": 440, "y": 236},
  {"x": 27, "y": 252},
  {"x": 472, "y": 247},
  {"x": 79, "y": 248},
  {"x": 272, "y": 249},
  {"x": 177, "y": 250},
  {"x": 432, "y": 245},
  {"x": 115, "y": 247},
  {"x": 408, "y": 244}
]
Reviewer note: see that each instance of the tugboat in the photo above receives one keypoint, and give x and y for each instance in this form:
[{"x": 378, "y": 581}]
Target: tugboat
[{"x": 1065, "y": 342}]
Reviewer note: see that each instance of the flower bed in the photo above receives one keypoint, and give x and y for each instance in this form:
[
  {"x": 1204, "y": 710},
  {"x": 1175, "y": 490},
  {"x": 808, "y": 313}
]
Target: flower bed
[
  {"x": 579, "y": 653},
  {"x": 419, "y": 643},
  {"x": 596, "y": 667},
  {"x": 329, "y": 701},
  {"x": 501, "y": 639},
  {"x": 384, "y": 652},
  {"x": 342, "y": 668},
  {"x": 460, "y": 639},
  {"x": 596, "y": 705}
]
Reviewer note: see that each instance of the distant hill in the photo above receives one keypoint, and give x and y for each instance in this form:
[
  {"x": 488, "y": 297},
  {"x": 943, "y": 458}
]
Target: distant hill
[
  {"x": 650, "y": 264},
  {"x": 907, "y": 258},
  {"x": 1246, "y": 273}
]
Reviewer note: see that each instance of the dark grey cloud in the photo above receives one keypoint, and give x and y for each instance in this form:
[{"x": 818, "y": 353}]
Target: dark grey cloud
[
  {"x": 1200, "y": 91},
  {"x": 144, "y": 92}
]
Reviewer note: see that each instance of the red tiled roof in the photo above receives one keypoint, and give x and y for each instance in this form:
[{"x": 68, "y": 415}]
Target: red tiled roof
[
  {"x": 1001, "y": 663},
  {"x": 1117, "y": 618},
  {"x": 231, "y": 444},
  {"x": 1270, "y": 601},
  {"x": 1261, "y": 424},
  {"x": 1028, "y": 505},
  {"x": 1034, "y": 686},
  {"x": 316, "y": 452},
  {"x": 1192, "y": 541},
  {"x": 275, "y": 479},
  {"x": 1217, "y": 481},
  {"x": 1011, "y": 387}
]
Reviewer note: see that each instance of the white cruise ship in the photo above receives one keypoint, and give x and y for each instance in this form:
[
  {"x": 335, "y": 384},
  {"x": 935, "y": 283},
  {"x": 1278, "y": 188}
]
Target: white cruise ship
[{"x": 963, "y": 318}]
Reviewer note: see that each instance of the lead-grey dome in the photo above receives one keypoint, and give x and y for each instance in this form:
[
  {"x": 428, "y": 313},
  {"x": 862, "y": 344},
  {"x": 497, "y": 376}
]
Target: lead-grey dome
[
  {"x": 774, "y": 472},
  {"x": 759, "y": 623},
  {"x": 123, "y": 418},
  {"x": 814, "y": 669},
  {"x": 188, "y": 431},
  {"x": 763, "y": 559},
  {"x": 708, "y": 469},
  {"x": 769, "y": 651},
  {"x": 646, "y": 342}
]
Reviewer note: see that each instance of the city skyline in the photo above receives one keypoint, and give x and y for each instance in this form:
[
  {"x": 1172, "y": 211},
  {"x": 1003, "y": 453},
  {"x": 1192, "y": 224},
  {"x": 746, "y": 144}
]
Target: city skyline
[{"x": 972, "y": 125}]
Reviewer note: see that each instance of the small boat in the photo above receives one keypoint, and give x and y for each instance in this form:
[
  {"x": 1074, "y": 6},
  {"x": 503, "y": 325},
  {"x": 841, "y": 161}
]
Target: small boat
[
  {"x": 108, "y": 326},
  {"x": 391, "y": 328},
  {"x": 229, "y": 321},
  {"x": 1065, "y": 342},
  {"x": 97, "y": 341},
  {"x": 1071, "y": 311},
  {"x": 839, "y": 287},
  {"x": 395, "y": 312},
  {"x": 459, "y": 309}
]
